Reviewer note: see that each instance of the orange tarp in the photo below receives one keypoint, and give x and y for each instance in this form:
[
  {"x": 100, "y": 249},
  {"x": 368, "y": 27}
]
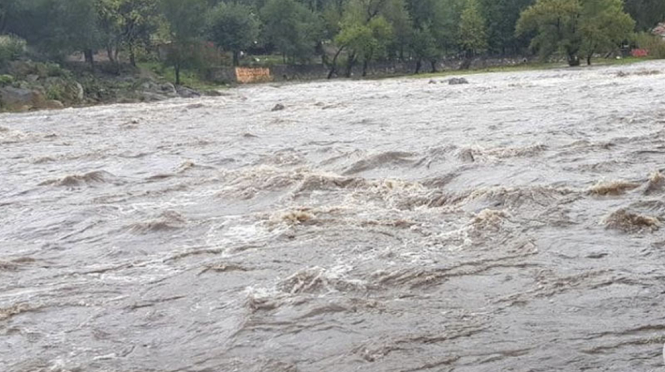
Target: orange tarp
[{"x": 252, "y": 75}]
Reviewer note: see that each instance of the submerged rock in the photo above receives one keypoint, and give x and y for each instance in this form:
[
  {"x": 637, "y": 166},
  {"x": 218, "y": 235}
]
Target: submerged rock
[
  {"x": 185, "y": 92},
  {"x": 212, "y": 93},
  {"x": 458, "y": 81},
  {"x": 278, "y": 107},
  {"x": 54, "y": 105}
]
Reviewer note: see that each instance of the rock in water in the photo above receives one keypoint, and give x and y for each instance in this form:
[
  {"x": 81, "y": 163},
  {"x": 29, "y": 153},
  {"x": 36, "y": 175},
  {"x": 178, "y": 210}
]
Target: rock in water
[
  {"x": 169, "y": 89},
  {"x": 185, "y": 92},
  {"x": 278, "y": 107},
  {"x": 152, "y": 97},
  {"x": 11, "y": 97},
  {"x": 212, "y": 93},
  {"x": 458, "y": 81},
  {"x": 54, "y": 105},
  {"x": 80, "y": 93}
]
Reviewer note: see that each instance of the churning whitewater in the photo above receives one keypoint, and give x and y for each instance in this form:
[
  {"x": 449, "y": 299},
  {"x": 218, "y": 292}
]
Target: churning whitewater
[{"x": 511, "y": 224}]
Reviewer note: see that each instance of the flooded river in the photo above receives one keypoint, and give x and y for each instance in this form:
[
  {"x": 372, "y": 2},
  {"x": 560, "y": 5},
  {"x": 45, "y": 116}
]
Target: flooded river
[{"x": 511, "y": 224}]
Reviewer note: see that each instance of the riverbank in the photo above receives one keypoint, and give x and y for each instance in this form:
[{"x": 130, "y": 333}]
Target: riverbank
[
  {"x": 30, "y": 86},
  {"x": 533, "y": 66}
]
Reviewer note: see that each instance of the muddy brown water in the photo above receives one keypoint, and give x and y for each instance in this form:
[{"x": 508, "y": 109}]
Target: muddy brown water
[{"x": 511, "y": 224}]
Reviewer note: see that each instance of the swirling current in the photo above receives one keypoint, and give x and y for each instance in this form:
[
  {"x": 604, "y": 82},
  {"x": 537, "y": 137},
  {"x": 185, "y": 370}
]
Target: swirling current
[{"x": 511, "y": 224}]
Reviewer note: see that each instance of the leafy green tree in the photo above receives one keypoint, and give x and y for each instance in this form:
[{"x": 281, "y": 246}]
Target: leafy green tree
[
  {"x": 57, "y": 27},
  {"x": 110, "y": 27},
  {"x": 73, "y": 27},
  {"x": 367, "y": 32},
  {"x": 137, "y": 21},
  {"x": 25, "y": 18},
  {"x": 575, "y": 27},
  {"x": 472, "y": 35},
  {"x": 331, "y": 15},
  {"x": 646, "y": 13},
  {"x": 424, "y": 48},
  {"x": 233, "y": 27},
  {"x": 501, "y": 17},
  {"x": 397, "y": 15},
  {"x": 604, "y": 25},
  {"x": 8, "y": 10},
  {"x": 421, "y": 11},
  {"x": 185, "y": 24},
  {"x": 556, "y": 24},
  {"x": 365, "y": 41},
  {"x": 291, "y": 28},
  {"x": 445, "y": 24},
  {"x": 11, "y": 48}
]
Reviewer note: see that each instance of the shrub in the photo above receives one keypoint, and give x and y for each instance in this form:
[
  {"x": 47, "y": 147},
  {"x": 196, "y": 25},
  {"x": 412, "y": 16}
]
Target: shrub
[
  {"x": 6, "y": 80},
  {"x": 655, "y": 45},
  {"x": 11, "y": 48},
  {"x": 55, "y": 92},
  {"x": 54, "y": 70}
]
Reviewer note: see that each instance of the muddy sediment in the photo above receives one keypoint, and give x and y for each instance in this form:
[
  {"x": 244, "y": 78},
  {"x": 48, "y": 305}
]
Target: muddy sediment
[{"x": 512, "y": 223}]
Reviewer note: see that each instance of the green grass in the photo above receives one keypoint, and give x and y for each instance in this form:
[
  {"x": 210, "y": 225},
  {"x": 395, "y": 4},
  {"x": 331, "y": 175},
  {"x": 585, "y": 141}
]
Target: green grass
[
  {"x": 532, "y": 67},
  {"x": 619, "y": 62},
  {"x": 522, "y": 67},
  {"x": 193, "y": 79},
  {"x": 188, "y": 78}
]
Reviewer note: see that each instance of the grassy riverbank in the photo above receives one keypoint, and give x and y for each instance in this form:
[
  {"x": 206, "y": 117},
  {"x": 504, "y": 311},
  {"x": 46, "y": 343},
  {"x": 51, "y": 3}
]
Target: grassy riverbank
[{"x": 532, "y": 67}]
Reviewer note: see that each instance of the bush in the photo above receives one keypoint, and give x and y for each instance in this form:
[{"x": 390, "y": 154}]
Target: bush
[
  {"x": 655, "y": 45},
  {"x": 11, "y": 48},
  {"x": 6, "y": 80},
  {"x": 54, "y": 70},
  {"x": 55, "y": 92}
]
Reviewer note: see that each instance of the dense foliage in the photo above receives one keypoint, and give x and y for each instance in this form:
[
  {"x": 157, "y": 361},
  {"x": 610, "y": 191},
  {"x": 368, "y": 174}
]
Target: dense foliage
[
  {"x": 576, "y": 27},
  {"x": 340, "y": 33}
]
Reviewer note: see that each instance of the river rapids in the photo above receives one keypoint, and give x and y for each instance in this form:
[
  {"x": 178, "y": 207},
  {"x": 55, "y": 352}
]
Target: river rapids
[{"x": 511, "y": 224}]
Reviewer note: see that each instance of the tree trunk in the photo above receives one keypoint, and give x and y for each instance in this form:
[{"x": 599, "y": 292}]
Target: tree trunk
[
  {"x": 418, "y": 66},
  {"x": 109, "y": 53},
  {"x": 332, "y": 71},
  {"x": 324, "y": 59},
  {"x": 3, "y": 23},
  {"x": 573, "y": 60},
  {"x": 321, "y": 51},
  {"x": 333, "y": 67},
  {"x": 468, "y": 58},
  {"x": 116, "y": 53},
  {"x": 132, "y": 56},
  {"x": 89, "y": 58},
  {"x": 236, "y": 58},
  {"x": 433, "y": 62},
  {"x": 588, "y": 60},
  {"x": 365, "y": 68},
  {"x": 349, "y": 65},
  {"x": 177, "y": 73}
]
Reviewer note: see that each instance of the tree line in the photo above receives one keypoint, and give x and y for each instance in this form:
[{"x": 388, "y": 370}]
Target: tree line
[{"x": 341, "y": 33}]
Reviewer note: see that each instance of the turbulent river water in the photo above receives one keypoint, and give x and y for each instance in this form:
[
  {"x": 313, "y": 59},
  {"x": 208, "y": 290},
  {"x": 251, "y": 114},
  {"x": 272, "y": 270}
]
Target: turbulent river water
[{"x": 511, "y": 224}]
